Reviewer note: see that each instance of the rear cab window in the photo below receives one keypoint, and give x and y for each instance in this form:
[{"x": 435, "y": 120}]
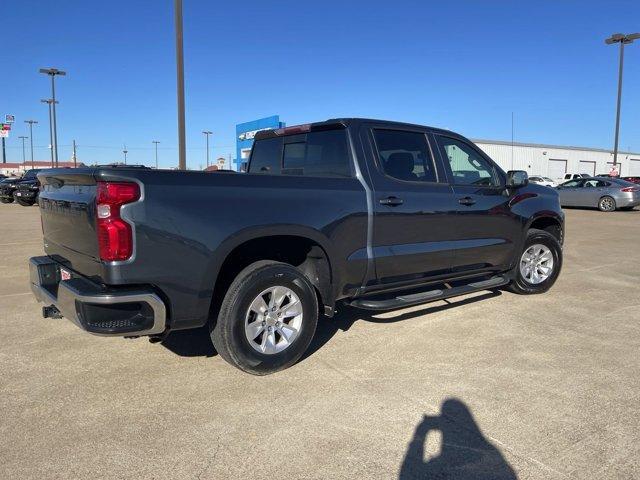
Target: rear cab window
[{"x": 315, "y": 154}]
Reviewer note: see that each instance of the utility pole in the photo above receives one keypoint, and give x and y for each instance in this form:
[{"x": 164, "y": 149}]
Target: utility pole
[
  {"x": 52, "y": 72},
  {"x": 156, "y": 142},
  {"x": 622, "y": 40},
  {"x": 23, "y": 138},
  {"x": 4, "y": 153},
  {"x": 182, "y": 148},
  {"x": 125, "y": 151},
  {"x": 50, "y": 102},
  {"x": 75, "y": 158},
  {"x": 31, "y": 122},
  {"x": 206, "y": 134}
]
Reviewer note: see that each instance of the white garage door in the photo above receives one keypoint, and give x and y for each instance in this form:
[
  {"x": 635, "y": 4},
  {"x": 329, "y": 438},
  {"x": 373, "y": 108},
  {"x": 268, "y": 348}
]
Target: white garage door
[
  {"x": 634, "y": 167},
  {"x": 587, "y": 166},
  {"x": 557, "y": 169}
]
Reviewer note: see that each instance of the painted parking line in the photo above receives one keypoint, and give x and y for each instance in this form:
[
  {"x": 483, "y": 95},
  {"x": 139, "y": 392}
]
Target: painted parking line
[{"x": 15, "y": 294}]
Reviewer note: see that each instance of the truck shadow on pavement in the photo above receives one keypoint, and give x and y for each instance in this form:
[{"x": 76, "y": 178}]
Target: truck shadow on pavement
[
  {"x": 197, "y": 343},
  {"x": 464, "y": 453},
  {"x": 347, "y": 316},
  {"x": 190, "y": 343}
]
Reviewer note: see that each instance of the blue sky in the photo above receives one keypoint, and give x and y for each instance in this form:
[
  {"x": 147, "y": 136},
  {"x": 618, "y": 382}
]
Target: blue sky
[{"x": 459, "y": 65}]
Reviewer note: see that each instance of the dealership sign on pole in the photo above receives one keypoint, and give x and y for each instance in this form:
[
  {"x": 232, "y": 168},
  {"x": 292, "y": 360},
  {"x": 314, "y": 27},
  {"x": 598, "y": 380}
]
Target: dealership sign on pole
[{"x": 9, "y": 118}]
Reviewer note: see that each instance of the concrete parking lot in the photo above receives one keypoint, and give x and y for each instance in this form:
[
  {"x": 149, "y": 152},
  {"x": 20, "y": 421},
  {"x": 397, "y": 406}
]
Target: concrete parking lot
[{"x": 489, "y": 386}]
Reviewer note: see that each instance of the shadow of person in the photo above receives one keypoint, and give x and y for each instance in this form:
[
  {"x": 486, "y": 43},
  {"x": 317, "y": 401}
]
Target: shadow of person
[{"x": 464, "y": 452}]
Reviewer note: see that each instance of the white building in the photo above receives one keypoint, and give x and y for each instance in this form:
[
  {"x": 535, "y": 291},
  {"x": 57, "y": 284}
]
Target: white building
[{"x": 554, "y": 161}]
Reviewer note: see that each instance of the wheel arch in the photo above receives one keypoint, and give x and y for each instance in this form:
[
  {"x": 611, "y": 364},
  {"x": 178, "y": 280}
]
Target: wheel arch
[{"x": 303, "y": 247}]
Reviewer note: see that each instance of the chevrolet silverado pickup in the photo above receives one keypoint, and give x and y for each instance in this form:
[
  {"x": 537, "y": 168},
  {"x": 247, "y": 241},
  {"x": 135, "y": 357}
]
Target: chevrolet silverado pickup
[{"x": 375, "y": 214}]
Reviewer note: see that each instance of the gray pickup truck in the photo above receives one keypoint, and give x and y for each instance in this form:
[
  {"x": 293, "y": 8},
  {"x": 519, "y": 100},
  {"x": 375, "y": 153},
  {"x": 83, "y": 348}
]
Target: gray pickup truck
[{"x": 375, "y": 214}]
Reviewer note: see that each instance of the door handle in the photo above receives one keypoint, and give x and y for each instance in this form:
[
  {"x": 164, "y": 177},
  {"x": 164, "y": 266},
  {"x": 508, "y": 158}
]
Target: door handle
[
  {"x": 391, "y": 201},
  {"x": 466, "y": 201}
]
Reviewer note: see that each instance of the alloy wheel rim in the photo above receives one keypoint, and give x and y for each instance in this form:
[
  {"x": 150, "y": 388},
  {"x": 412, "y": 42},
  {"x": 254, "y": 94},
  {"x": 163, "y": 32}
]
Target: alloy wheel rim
[
  {"x": 273, "y": 320},
  {"x": 607, "y": 204},
  {"x": 536, "y": 264}
]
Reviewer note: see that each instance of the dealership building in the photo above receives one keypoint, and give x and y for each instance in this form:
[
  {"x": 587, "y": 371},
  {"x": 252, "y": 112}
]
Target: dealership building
[{"x": 551, "y": 161}]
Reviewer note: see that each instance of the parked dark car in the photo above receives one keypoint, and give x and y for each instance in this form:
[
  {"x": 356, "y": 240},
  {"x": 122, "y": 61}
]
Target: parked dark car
[
  {"x": 9, "y": 185},
  {"x": 26, "y": 192},
  {"x": 378, "y": 215}
]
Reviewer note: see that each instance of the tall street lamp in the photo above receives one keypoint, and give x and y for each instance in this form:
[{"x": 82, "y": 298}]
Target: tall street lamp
[
  {"x": 23, "y": 138},
  {"x": 206, "y": 134},
  {"x": 156, "y": 142},
  {"x": 125, "y": 151},
  {"x": 31, "y": 122},
  {"x": 622, "y": 40},
  {"x": 182, "y": 149},
  {"x": 52, "y": 72},
  {"x": 50, "y": 102}
]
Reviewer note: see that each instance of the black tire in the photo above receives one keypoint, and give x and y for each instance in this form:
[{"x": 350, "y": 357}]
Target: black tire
[
  {"x": 23, "y": 203},
  {"x": 607, "y": 204},
  {"x": 519, "y": 284},
  {"x": 228, "y": 333},
  {"x": 6, "y": 200}
]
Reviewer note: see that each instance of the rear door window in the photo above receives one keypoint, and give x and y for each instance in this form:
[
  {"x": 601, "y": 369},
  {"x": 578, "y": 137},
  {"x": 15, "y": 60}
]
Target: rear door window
[{"x": 405, "y": 155}]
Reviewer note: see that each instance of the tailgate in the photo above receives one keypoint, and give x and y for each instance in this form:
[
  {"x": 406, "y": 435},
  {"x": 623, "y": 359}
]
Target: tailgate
[{"x": 67, "y": 207}]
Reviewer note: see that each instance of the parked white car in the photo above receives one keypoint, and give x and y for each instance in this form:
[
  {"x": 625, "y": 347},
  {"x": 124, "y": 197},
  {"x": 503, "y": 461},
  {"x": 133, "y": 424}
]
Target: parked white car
[
  {"x": 545, "y": 181},
  {"x": 574, "y": 176}
]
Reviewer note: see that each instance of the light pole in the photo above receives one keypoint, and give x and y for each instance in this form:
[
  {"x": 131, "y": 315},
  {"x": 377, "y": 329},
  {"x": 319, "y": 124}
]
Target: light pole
[
  {"x": 49, "y": 102},
  {"x": 31, "y": 122},
  {"x": 23, "y": 138},
  {"x": 206, "y": 134},
  {"x": 182, "y": 149},
  {"x": 125, "y": 151},
  {"x": 156, "y": 142},
  {"x": 622, "y": 40},
  {"x": 52, "y": 72}
]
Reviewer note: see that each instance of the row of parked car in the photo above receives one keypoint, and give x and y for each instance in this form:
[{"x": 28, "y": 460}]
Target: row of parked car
[
  {"x": 605, "y": 192},
  {"x": 23, "y": 190}
]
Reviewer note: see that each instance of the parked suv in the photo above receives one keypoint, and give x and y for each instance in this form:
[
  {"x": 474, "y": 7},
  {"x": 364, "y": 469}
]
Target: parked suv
[
  {"x": 375, "y": 214},
  {"x": 26, "y": 191}
]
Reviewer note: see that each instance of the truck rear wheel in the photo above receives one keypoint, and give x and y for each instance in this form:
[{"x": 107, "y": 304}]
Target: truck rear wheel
[
  {"x": 267, "y": 319},
  {"x": 6, "y": 200},
  {"x": 538, "y": 265}
]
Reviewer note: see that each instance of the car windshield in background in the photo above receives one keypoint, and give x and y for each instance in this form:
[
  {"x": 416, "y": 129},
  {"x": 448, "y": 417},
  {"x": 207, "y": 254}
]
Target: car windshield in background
[{"x": 30, "y": 175}]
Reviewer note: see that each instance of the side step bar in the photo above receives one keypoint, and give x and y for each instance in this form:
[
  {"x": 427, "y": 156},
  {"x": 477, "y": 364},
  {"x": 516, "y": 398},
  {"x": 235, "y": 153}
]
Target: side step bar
[{"x": 429, "y": 296}]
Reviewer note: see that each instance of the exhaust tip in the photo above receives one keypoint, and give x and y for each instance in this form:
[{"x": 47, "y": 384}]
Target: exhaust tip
[{"x": 51, "y": 312}]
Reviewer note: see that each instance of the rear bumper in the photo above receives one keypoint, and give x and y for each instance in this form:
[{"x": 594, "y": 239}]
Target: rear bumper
[
  {"x": 628, "y": 201},
  {"x": 95, "y": 308}
]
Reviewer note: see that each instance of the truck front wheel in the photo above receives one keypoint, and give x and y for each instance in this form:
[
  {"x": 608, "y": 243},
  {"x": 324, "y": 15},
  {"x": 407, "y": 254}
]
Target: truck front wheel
[
  {"x": 267, "y": 319},
  {"x": 538, "y": 265}
]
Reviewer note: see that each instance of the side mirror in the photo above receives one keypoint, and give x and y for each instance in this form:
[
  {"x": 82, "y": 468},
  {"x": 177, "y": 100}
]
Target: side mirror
[{"x": 517, "y": 179}]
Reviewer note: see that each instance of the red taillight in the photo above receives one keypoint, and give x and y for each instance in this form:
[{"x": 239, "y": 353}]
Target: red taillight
[
  {"x": 629, "y": 189},
  {"x": 115, "y": 237}
]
